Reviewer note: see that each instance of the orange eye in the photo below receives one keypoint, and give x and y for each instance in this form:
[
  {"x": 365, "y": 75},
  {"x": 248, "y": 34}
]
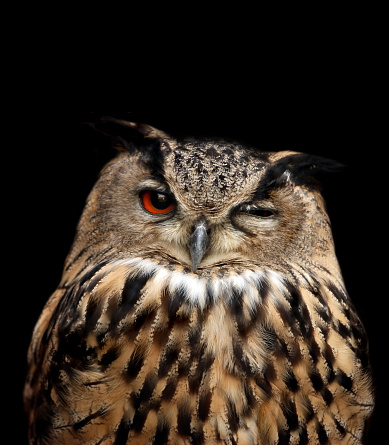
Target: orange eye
[{"x": 157, "y": 202}]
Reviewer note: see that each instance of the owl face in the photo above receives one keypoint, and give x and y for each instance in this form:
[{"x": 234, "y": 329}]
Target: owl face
[{"x": 207, "y": 204}]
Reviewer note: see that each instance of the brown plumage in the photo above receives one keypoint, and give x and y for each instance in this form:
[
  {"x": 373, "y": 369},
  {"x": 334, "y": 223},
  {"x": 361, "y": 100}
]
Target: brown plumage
[{"x": 201, "y": 303}]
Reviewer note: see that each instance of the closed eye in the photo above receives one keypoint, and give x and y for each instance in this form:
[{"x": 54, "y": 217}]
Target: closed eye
[{"x": 262, "y": 212}]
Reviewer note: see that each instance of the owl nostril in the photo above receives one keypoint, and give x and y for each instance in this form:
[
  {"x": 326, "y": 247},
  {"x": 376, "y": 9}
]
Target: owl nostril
[{"x": 203, "y": 224}]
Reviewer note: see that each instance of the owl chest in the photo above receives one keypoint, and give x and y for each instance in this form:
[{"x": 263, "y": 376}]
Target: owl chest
[
  {"x": 163, "y": 356},
  {"x": 173, "y": 325},
  {"x": 179, "y": 349},
  {"x": 153, "y": 357},
  {"x": 188, "y": 371}
]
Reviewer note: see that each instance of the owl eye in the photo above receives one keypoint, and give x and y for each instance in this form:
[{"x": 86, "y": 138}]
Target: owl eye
[
  {"x": 262, "y": 212},
  {"x": 157, "y": 202}
]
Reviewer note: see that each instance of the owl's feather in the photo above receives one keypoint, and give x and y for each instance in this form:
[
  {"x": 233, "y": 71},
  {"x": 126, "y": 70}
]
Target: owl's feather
[{"x": 257, "y": 344}]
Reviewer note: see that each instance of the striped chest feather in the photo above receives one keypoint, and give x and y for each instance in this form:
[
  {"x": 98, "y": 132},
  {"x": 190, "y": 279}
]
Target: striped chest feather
[{"x": 139, "y": 353}]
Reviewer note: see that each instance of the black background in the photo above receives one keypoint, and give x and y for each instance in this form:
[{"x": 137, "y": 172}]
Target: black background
[{"x": 61, "y": 158}]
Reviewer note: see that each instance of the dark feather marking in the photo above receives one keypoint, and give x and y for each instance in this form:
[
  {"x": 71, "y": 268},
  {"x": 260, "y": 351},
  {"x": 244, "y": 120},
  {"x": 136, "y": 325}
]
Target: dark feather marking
[
  {"x": 340, "y": 428},
  {"x": 80, "y": 424},
  {"x": 147, "y": 315},
  {"x": 344, "y": 380},
  {"x": 329, "y": 356},
  {"x": 135, "y": 363},
  {"x": 167, "y": 360},
  {"x": 282, "y": 351},
  {"x": 170, "y": 388},
  {"x": 175, "y": 302},
  {"x": 241, "y": 359},
  {"x": 90, "y": 257},
  {"x": 205, "y": 399},
  {"x": 217, "y": 432},
  {"x": 210, "y": 298},
  {"x": 205, "y": 362},
  {"x": 73, "y": 346},
  {"x": 313, "y": 349},
  {"x": 340, "y": 296},
  {"x": 184, "y": 367},
  {"x": 232, "y": 439},
  {"x": 304, "y": 319},
  {"x": 283, "y": 437},
  {"x": 91, "y": 273},
  {"x": 360, "y": 336},
  {"x": 342, "y": 329},
  {"x": 250, "y": 399},
  {"x": 164, "y": 327},
  {"x": 309, "y": 411},
  {"x": 97, "y": 382},
  {"x": 264, "y": 289},
  {"x": 291, "y": 381},
  {"x": 264, "y": 384},
  {"x": 96, "y": 278},
  {"x": 299, "y": 310},
  {"x": 358, "y": 332},
  {"x": 139, "y": 419},
  {"x": 327, "y": 396},
  {"x": 162, "y": 434},
  {"x": 131, "y": 293},
  {"x": 286, "y": 316},
  {"x": 318, "y": 292},
  {"x": 194, "y": 337},
  {"x": 270, "y": 373},
  {"x": 323, "y": 438},
  {"x": 183, "y": 419},
  {"x": 197, "y": 437},
  {"x": 194, "y": 334},
  {"x": 149, "y": 385},
  {"x": 135, "y": 400},
  {"x": 232, "y": 416},
  {"x": 236, "y": 307},
  {"x": 122, "y": 432},
  {"x": 111, "y": 327},
  {"x": 325, "y": 329},
  {"x": 132, "y": 288},
  {"x": 317, "y": 381},
  {"x": 295, "y": 355},
  {"x": 93, "y": 312},
  {"x": 289, "y": 409},
  {"x": 102, "y": 439},
  {"x": 303, "y": 437},
  {"x": 236, "y": 300},
  {"x": 66, "y": 312},
  {"x": 331, "y": 376}
]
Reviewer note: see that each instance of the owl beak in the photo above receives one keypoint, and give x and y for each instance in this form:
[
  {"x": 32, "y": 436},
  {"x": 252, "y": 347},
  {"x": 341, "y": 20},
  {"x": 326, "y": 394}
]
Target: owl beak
[{"x": 198, "y": 243}]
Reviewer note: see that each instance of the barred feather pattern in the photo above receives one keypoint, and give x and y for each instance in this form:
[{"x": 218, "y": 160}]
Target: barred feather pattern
[{"x": 143, "y": 351}]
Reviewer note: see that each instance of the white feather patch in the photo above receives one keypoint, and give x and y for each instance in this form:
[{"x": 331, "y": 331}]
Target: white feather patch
[{"x": 194, "y": 286}]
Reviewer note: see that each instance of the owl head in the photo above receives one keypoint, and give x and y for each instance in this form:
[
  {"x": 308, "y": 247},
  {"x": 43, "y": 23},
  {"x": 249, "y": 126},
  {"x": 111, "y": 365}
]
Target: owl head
[{"x": 206, "y": 204}]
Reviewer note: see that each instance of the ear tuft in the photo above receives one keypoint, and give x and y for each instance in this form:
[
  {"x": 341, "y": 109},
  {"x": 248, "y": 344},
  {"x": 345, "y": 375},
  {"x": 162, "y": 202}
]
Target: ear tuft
[
  {"x": 307, "y": 169},
  {"x": 144, "y": 129},
  {"x": 131, "y": 136}
]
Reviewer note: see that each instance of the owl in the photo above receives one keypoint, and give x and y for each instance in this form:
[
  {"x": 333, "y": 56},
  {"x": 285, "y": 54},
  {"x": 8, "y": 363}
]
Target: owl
[{"x": 201, "y": 303}]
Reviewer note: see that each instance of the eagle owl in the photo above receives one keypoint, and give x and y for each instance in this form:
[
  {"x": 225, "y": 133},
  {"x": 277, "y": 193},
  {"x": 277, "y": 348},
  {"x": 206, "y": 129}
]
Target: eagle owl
[{"x": 201, "y": 303}]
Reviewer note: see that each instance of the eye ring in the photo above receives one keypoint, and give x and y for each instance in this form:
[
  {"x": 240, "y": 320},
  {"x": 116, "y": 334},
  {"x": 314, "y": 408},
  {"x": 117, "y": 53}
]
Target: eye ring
[{"x": 156, "y": 202}]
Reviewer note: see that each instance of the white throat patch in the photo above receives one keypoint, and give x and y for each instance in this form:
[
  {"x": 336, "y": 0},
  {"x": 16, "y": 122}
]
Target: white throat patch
[{"x": 196, "y": 288}]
